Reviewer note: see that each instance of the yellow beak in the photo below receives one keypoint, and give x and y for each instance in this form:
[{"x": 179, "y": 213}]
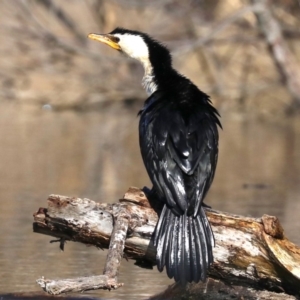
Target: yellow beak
[{"x": 107, "y": 39}]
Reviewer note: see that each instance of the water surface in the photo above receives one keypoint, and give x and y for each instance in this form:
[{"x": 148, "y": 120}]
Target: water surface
[{"x": 96, "y": 155}]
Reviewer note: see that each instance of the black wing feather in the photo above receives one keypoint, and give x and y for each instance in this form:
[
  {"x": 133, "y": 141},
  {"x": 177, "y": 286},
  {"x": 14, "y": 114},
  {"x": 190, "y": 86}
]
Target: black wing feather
[
  {"x": 179, "y": 147},
  {"x": 179, "y": 153}
]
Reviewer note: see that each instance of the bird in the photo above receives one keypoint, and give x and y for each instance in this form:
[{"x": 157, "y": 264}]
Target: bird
[{"x": 178, "y": 137}]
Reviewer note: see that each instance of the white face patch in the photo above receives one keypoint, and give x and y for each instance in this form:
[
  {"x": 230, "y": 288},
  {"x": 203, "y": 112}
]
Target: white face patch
[{"x": 134, "y": 46}]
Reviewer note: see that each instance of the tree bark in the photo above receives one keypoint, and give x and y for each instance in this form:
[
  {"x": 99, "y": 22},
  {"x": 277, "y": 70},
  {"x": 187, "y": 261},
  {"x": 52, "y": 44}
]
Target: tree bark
[{"x": 251, "y": 255}]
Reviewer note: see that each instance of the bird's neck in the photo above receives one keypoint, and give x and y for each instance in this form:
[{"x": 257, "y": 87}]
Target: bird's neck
[
  {"x": 155, "y": 78},
  {"x": 148, "y": 80}
]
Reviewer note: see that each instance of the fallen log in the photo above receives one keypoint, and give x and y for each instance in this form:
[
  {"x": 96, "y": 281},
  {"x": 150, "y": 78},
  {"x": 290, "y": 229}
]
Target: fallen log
[{"x": 251, "y": 255}]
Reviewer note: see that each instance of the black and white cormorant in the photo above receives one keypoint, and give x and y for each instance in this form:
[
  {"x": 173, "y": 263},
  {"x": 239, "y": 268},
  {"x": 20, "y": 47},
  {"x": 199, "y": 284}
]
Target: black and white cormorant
[{"x": 179, "y": 144}]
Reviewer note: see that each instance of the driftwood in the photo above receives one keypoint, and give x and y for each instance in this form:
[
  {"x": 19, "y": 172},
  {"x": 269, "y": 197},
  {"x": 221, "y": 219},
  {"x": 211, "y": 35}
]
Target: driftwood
[{"x": 252, "y": 258}]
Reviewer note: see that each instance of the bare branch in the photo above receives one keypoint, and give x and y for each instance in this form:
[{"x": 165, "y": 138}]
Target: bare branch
[
  {"x": 64, "y": 19},
  {"x": 281, "y": 54},
  {"x": 221, "y": 26}
]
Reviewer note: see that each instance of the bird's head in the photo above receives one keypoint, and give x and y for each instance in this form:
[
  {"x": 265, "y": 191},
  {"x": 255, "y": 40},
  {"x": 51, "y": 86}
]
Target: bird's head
[{"x": 137, "y": 45}]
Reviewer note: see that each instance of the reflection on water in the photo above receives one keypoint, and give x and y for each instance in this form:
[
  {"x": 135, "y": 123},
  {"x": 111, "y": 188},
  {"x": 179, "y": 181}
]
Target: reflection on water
[{"x": 95, "y": 155}]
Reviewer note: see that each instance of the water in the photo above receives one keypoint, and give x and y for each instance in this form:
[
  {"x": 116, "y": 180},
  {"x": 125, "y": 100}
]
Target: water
[{"x": 96, "y": 155}]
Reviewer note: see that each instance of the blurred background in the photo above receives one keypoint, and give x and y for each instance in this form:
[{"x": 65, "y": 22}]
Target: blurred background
[{"x": 68, "y": 118}]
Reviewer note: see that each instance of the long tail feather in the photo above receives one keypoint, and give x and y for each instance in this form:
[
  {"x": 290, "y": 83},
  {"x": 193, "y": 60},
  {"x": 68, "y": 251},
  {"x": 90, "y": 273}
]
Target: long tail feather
[{"x": 184, "y": 245}]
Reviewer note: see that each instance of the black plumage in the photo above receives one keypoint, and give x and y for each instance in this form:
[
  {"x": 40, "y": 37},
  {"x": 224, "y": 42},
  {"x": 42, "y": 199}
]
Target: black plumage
[
  {"x": 178, "y": 137},
  {"x": 179, "y": 145}
]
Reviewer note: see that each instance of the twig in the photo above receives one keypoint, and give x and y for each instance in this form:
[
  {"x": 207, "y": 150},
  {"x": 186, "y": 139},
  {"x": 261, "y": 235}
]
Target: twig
[
  {"x": 218, "y": 29},
  {"x": 45, "y": 33},
  {"x": 56, "y": 287},
  {"x": 64, "y": 19}
]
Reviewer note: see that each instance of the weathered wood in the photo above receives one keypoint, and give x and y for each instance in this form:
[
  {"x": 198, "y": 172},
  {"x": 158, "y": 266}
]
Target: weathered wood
[
  {"x": 218, "y": 290},
  {"x": 117, "y": 243},
  {"x": 80, "y": 284},
  {"x": 249, "y": 252}
]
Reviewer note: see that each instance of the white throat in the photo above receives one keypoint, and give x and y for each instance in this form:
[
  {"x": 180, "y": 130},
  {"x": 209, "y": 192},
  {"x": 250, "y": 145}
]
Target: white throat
[
  {"x": 148, "y": 80},
  {"x": 135, "y": 47}
]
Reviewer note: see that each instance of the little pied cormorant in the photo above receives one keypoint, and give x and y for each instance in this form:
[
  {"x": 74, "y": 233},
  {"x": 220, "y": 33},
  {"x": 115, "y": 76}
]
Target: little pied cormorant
[{"x": 179, "y": 144}]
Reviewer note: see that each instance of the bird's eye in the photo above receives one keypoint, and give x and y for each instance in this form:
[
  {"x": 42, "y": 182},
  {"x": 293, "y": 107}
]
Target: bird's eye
[{"x": 115, "y": 39}]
